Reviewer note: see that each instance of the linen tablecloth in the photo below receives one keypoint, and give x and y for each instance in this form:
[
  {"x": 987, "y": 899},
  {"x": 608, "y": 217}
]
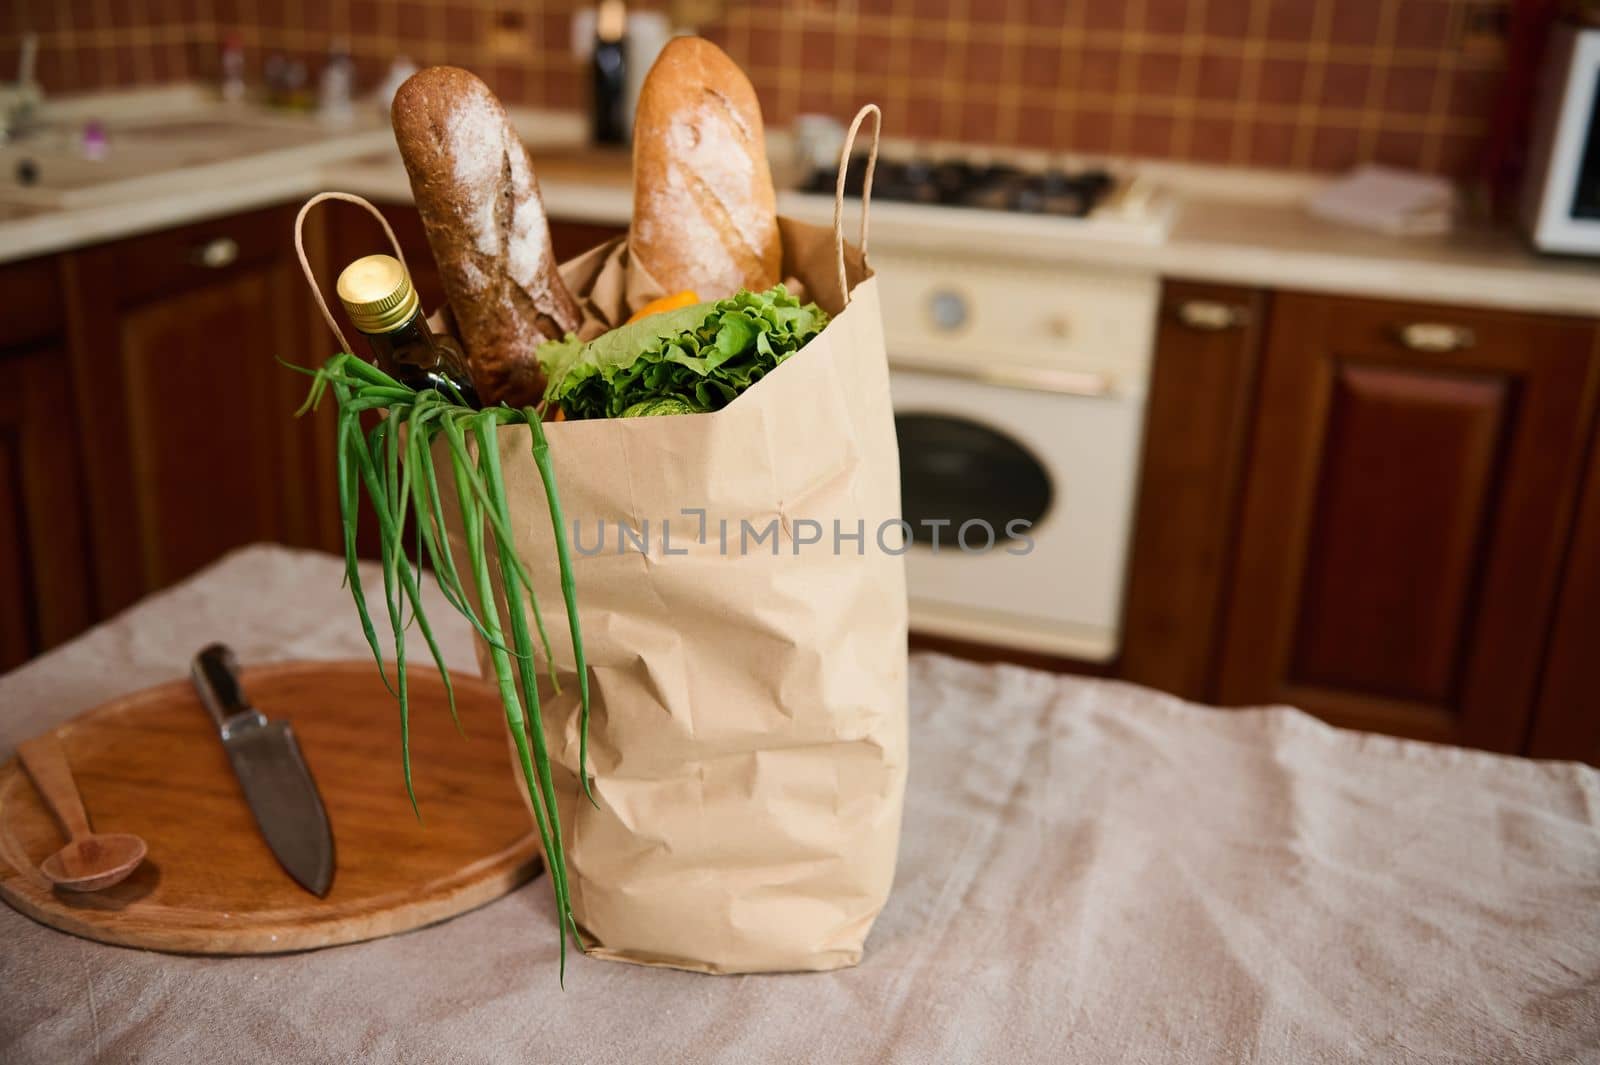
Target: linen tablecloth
[{"x": 1090, "y": 872}]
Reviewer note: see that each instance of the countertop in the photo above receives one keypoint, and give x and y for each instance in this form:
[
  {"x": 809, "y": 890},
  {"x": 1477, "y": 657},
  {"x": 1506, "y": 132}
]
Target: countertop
[
  {"x": 1089, "y": 871},
  {"x": 1230, "y": 226}
]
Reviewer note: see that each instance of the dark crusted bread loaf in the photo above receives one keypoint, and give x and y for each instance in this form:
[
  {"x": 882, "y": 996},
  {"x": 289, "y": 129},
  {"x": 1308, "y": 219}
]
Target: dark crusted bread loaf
[
  {"x": 704, "y": 214},
  {"x": 475, "y": 189}
]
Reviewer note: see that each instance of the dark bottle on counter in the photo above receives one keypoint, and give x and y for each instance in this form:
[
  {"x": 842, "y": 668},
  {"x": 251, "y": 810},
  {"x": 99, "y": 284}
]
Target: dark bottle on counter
[
  {"x": 382, "y": 303},
  {"x": 610, "y": 72}
]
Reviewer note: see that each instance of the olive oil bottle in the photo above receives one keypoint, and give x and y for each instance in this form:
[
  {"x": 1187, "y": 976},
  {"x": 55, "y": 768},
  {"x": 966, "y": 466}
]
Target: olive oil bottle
[{"x": 382, "y": 303}]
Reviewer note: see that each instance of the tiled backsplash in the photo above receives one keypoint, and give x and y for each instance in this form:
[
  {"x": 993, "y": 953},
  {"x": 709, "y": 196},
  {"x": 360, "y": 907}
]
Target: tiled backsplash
[{"x": 1306, "y": 84}]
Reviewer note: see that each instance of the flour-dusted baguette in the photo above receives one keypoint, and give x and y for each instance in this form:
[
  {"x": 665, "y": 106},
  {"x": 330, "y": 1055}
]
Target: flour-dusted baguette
[
  {"x": 704, "y": 214},
  {"x": 475, "y": 189}
]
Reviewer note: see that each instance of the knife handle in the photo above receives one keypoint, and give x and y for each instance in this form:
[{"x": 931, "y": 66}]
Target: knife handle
[{"x": 216, "y": 678}]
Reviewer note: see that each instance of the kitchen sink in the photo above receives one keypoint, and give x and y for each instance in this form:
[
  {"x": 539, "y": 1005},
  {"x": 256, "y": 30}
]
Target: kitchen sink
[{"x": 194, "y": 148}]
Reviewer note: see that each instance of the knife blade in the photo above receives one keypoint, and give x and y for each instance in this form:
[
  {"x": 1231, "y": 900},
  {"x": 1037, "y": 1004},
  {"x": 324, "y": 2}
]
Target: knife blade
[{"x": 277, "y": 782}]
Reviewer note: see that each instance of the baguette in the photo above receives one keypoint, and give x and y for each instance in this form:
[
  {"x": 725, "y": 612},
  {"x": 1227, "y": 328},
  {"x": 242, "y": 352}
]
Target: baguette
[
  {"x": 480, "y": 205},
  {"x": 704, "y": 212}
]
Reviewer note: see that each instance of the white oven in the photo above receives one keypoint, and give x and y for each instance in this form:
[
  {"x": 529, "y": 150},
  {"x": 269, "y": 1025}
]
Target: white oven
[{"x": 1019, "y": 394}]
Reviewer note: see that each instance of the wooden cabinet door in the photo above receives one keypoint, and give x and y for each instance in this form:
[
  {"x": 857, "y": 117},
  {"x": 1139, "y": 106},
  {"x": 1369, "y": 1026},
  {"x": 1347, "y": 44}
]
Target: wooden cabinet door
[
  {"x": 1197, "y": 429},
  {"x": 1567, "y": 722},
  {"x": 1406, "y": 508},
  {"x": 191, "y": 445},
  {"x": 45, "y": 583},
  {"x": 44, "y": 571}
]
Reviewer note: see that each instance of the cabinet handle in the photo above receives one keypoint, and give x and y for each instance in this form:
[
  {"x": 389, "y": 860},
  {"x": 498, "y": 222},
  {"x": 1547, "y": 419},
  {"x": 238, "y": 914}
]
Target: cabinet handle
[
  {"x": 1211, "y": 316},
  {"x": 1436, "y": 336},
  {"x": 216, "y": 253}
]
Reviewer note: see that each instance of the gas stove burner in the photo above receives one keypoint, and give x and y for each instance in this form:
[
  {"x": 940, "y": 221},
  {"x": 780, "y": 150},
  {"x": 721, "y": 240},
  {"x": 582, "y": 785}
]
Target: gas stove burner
[{"x": 959, "y": 183}]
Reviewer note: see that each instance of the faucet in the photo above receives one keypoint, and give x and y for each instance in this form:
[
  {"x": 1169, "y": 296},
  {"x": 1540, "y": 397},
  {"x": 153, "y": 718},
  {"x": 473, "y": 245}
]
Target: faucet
[{"x": 20, "y": 101}]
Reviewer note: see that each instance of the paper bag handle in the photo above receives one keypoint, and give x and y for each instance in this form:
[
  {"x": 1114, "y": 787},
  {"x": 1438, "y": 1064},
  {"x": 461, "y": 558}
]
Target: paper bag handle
[
  {"x": 305, "y": 262},
  {"x": 866, "y": 188}
]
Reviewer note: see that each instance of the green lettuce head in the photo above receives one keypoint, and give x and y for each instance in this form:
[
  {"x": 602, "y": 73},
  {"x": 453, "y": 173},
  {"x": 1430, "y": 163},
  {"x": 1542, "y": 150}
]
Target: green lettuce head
[{"x": 697, "y": 357}]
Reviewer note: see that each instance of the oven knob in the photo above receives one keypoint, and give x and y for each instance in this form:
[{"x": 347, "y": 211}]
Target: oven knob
[{"x": 948, "y": 309}]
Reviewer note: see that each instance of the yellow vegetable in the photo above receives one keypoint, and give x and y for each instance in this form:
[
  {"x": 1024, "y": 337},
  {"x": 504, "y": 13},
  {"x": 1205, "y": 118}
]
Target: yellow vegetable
[{"x": 686, "y": 298}]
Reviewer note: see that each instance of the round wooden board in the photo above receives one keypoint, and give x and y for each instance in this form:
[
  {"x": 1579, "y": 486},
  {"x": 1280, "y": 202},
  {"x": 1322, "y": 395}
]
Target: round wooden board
[{"x": 151, "y": 763}]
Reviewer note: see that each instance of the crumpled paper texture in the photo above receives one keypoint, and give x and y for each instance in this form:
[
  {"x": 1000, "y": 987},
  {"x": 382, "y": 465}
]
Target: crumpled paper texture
[{"x": 748, "y": 730}]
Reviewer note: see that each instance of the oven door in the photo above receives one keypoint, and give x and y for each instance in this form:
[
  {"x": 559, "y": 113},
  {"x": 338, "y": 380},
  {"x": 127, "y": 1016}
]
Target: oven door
[{"x": 1055, "y": 470}]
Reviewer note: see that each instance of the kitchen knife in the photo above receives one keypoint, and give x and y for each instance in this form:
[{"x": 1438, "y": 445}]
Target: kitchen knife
[{"x": 276, "y": 781}]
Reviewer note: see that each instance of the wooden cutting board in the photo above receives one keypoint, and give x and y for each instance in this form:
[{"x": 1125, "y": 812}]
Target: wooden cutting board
[{"x": 151, "y": 763}]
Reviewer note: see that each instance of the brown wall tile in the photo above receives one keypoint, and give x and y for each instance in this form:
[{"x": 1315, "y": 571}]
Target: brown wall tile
[
  {"x": 509, "y": 80},
  {"x": 1335, "y": 148},
  {"x": 1220, "y": 77},
  {"x": 1228, "y": 19},
  {"x": 411, "y": 21},
  {"x": 874, "y": 53},
  {"x": 1036, "y": 126},
  {"x": 985, "y": 62},
  {"x": 554, "y": 32},
  {"x": 368, "y": 14},
  {"x": 1422, "y": 24},
  {"x": 1283, "y": 81},
  {"x": 1291, "y": 20},
  {"x": 1211, "y": 140},
  {"x": 1150, "y": 134},
  {"x": 463, "y": 26},
  {"x": 1044, "y": 13},
  {"x": 1157, "y": 76},
  {"x": 1272, "y": 144},
  {"x": 1104, "y": 17},
  {"x": 929, "y": 53},
  {"x": 1410, "y": 90},
  {"x": 924, "y": 118},
  {"x": 1092, "y": 131},
  {"x": 1097, "y": 71},
  {"x": 1398, "y": 148},
  {"x": 314, "y": 17},
  {"x": 1356, "y": 23},
  {"x": 1040, "y": 65},
  {"x": 766, "y": 53},
  {"x": 1166, "y": 16},
  {"x": 563, "y": 90},
  {"x": 1273, "y": 82},
  {"x": 978, "y": 120},
  {"x": 1344, "y": 85},
  {"x": 816, "y": 51}
]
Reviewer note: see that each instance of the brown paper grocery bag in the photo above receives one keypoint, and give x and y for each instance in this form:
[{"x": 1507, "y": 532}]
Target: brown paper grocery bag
[{"x": 748, "y": 732}]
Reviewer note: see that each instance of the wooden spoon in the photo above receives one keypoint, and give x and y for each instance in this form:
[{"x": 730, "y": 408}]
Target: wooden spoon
[{"x": 91, "y": 861}]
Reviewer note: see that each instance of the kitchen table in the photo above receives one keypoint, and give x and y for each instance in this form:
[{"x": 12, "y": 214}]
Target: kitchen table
[{"x": 1090, "y": 872}]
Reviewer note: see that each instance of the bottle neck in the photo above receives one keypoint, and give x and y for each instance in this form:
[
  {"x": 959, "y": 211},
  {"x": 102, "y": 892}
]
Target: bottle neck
[{"x": 419, "y": 358}]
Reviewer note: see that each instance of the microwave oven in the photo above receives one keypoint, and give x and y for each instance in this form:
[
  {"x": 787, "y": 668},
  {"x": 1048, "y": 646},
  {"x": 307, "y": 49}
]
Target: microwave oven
[{"x": 1561, "y": 196}]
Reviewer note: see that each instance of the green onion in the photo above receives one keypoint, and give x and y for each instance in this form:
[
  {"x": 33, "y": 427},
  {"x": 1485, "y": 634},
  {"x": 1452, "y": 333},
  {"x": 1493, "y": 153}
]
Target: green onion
[
  {"x": 394, "y": 462},
  {"x": 541, "y": 459}
]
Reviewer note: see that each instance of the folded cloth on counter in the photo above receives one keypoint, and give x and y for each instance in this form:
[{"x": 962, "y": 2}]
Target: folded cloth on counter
[
  {"x": 1090, "y": 872},
  {"x": 1398, "y": 202}
]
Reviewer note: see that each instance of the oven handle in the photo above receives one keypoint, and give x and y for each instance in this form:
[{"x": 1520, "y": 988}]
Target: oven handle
[{"x": 1082, "y": 383}]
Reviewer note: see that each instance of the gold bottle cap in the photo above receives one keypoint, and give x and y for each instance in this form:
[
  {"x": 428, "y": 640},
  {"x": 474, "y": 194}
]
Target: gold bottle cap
[{"x": 377, "y": 294}]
